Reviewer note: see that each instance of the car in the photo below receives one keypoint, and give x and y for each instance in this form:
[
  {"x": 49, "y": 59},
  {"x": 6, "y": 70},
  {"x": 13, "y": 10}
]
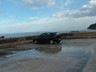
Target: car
[
  {"x": 2, "y": 37},
  {"x": 50, "y": 37}
]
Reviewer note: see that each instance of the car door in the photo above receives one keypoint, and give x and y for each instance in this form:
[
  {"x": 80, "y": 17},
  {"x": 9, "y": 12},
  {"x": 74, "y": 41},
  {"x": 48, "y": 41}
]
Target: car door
[{"x": 43, "y": 37}]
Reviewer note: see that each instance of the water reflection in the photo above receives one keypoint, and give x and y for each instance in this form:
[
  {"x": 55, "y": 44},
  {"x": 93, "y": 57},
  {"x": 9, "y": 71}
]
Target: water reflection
[{"x": 49, "y": 49}]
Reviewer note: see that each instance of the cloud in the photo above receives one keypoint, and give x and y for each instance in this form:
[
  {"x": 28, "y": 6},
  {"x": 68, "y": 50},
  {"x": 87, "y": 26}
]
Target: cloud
[
  {"x": 6, "y": 21},
  {"x": 86, "y": 10},
  {"x": 42, "y": 4},
  {"x": 39, "y": 4},
  {"x": 64, "y": 20},
  {"x": 47, "y": 24},
  {"x": 89, "y": 8},
  {"x": 65, "y": 4}
]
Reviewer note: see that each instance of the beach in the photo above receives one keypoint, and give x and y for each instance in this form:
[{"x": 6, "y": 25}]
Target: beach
[{"x": 75, "y": 55}]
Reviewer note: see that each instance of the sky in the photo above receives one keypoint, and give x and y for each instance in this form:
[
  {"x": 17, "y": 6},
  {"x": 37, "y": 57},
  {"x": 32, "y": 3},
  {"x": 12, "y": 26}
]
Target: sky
[{"x": 18, "y": 16}]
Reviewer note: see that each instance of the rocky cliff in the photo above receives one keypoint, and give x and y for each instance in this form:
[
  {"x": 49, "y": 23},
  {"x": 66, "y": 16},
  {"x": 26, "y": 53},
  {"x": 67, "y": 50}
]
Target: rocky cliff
[{"x": 92, "y": 26}]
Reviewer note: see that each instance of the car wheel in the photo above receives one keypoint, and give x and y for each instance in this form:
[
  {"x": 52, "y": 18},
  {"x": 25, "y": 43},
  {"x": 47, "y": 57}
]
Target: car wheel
[
  {"x": 51, "y": 41},
  {"x": 35, "y": 41},
  {"x": 58, "y": 42}
]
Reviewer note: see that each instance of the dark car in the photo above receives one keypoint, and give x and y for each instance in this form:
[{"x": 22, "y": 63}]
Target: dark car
[
  {"x": 47, "y": 38},
  {"x": 2, "y": 37}
]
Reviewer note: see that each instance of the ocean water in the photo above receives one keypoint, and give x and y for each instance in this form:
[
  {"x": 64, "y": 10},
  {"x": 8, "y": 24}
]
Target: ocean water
[{"x": 20, "y": 34}]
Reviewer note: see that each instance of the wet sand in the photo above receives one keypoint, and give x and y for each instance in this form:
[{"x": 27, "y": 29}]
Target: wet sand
[{"x": 68, "y": 56}]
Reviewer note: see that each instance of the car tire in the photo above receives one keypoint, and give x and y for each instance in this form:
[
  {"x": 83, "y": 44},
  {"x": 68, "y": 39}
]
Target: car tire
[
  {"x": 58, "y": 42},
  {"x": 51, "y": 42},
  {"x": 35, "y": 41}
]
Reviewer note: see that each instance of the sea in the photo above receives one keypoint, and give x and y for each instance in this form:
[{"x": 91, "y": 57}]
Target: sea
[
  {"x": 8, "y": 35},
  {"x": 11, "y": 35}
]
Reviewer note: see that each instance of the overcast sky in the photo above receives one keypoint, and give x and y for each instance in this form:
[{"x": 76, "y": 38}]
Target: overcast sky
[{"x": 46, "y": 15}]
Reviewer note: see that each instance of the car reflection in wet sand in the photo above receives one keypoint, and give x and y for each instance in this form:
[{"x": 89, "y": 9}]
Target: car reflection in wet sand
[{"x": 49, "y": 49}]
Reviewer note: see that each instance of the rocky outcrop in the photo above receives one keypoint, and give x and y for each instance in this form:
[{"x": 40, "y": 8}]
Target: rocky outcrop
[{"x": 92, "y": 26}]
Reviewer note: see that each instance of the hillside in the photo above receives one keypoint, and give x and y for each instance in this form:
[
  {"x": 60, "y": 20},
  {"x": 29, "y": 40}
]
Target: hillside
[{"x": 92, "y": 26}]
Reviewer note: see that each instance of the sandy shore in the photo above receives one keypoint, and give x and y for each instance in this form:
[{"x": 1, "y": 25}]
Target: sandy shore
[{"x": 62, "y": 60}]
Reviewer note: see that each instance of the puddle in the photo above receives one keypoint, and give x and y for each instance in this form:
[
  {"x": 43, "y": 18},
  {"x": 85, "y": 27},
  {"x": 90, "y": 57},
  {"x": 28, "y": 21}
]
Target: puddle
[
  {"x": 78, "y": 57},
  {"x": 51, "y": 52}
]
